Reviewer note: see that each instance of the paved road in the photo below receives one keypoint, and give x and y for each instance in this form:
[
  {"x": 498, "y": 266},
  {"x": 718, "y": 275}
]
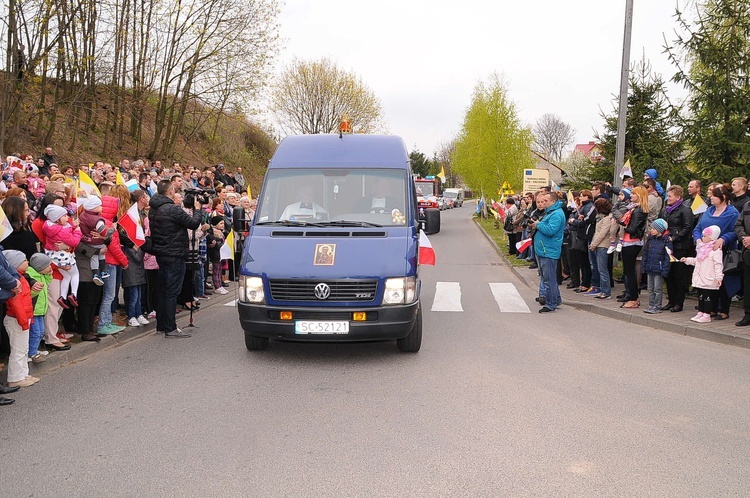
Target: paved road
[{"x": 496, "y": 403}]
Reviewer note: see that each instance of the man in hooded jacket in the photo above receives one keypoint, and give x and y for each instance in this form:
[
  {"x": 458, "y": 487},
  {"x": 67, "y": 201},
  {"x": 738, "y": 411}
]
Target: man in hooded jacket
[{"x": 548, "y": 240}]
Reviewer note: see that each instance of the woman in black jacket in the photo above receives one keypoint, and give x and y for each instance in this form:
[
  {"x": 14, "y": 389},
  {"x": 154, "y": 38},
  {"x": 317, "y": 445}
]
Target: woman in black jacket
[
  {"x": 632, "y": 243},
  {"x": 679, "y": 219},
  {"x": 22, "y": 238}
]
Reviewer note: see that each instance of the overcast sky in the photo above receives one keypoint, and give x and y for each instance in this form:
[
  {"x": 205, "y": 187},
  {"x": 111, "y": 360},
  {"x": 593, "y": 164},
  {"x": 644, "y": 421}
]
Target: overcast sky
[{"x": 423, "y": 59}]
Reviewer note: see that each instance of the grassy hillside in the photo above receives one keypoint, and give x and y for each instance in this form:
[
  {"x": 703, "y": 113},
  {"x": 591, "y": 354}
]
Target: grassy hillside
[{"x": 232, "y": 139}]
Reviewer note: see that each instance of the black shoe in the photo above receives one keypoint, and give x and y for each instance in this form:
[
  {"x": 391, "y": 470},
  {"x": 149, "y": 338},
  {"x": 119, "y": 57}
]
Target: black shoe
[
  {"x": 623, "y": 299},
  {"x": 619, "y": 280},
  {"x": 178, "y": 333},
  {"x": 6, "y": 401},
  {"x": 90, "y": 338},
  {"x": 540, "y": 300},
  {"x": 533, "y": 266},
  {"x": 676, "y": 308},
  {"x": 744, "y": 322},
  {"x": 7, "y": 390},
  {"x": 571, "y": 286},
  {"x": 54, "y": 347},
  {"x": 667, "y": 306},
  {"x": 225, "y": 284},
  {"x": 545, "y": 310}
]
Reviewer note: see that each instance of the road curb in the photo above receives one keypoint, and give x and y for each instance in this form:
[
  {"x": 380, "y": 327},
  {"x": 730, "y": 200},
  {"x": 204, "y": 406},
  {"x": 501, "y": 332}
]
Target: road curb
[
  {"x": 82, "y": 351},
  {"x": 716, "y": 331}
]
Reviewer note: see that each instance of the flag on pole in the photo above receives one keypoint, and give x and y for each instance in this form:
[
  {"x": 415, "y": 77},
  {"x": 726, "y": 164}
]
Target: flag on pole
[
  {"x": 152, "y": 188},
  {"x": 132, "y": 185},
  {"x": 87, "y": 184},
  {"x": 227, "y": 250},
  {"x": 249, "y": 194},
  {"x": 672, "y": 259},
  {"x": 554, "y": 185},
  {"x": 131, "y": 223},
  {"x": 626, "y": 170},
  {"x": 5, "y": 227},
  {"x": 523, "y": 245},
  {"x": 426, "y": 252},
  {"x": 119, "y": 180},
  {"x": 699, "y": 205},
  {"x": 571, "y": 200},
  {"x": 441, "y": 175},
  {"x": 669, "y": 184}
]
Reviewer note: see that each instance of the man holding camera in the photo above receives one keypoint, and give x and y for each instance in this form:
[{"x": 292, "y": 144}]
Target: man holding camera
[{"x": 169, "y": 238}]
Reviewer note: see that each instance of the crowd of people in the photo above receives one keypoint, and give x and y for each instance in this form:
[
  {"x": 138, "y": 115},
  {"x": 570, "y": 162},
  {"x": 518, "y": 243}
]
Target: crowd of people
[
  {"x": 676, "y": 240},
  {"x": 69, "y": 261}
]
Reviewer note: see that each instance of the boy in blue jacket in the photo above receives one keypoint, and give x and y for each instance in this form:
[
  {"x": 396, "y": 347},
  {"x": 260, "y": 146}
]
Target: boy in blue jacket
[{"x": 656, "y": 262}]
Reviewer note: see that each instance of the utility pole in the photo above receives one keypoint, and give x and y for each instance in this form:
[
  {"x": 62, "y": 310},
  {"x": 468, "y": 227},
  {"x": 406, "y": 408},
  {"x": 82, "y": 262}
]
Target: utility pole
[{"x": 620, "y": 150}]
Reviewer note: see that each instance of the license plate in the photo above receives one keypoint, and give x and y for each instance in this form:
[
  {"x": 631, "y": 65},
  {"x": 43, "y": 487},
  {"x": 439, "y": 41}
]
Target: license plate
[{"x": 320, "y": 327}]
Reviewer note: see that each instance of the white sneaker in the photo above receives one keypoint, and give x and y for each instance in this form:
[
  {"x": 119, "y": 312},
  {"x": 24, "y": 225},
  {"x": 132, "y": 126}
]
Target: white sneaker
[
  {"x": 221, "y": 290},
  {"x": 619, "y": 247},
  {"x": 133, "y": 322},
  {"x": 143, "y": 320},
  {"x": 610, "y": 249},
  {"x": 152, "y": 314}
]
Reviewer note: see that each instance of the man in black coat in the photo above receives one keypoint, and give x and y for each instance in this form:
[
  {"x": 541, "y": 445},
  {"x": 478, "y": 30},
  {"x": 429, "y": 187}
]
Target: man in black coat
[
  {"x": 742, "y": 229},
  {"x": 169, "y": 223},
  {"x": 679, "y": 217}
]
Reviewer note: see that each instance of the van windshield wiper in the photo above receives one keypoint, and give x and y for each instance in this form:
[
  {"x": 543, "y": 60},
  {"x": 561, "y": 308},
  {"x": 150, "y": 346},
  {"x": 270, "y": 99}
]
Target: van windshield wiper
[
  {"x": 350, "y": 223},
  {"x": 290, "y": 223}
]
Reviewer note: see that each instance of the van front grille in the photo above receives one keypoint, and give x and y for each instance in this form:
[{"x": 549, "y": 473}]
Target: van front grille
[{"x": 341, "y": 290}]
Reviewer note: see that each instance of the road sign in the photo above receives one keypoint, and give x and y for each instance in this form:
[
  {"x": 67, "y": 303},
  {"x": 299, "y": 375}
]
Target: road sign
[{"x": 534, "y": 179}]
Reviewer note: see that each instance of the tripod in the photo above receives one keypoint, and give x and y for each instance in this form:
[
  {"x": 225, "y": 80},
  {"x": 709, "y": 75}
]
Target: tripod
[{"x": 193, "y": 262}]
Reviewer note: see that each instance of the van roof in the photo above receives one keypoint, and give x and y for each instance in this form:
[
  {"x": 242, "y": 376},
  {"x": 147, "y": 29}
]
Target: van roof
[{"x": 330, "y": 151}]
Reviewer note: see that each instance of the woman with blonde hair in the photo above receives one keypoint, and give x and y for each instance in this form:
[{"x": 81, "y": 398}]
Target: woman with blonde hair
[{"x": 634, "y": 221}]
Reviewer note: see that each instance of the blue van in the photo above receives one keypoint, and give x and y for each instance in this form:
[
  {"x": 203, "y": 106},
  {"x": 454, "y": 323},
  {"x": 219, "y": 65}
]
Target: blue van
[{"x": 332, "y": 252}]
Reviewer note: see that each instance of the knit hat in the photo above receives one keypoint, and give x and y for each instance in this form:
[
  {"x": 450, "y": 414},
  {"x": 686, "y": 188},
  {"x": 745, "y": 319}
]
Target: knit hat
[
  {"x": 659, "y": 225},
  {"x": 53, "y": 212},
  {"x": 15, "y": 258},
  {"x": 40, "y": 261},
  {"x": 626, "y": 193},
  {"x": 215, "y": 220},
  {"x": 32, "y": 168},
  {"x": 711, "y": 232},
  {"x": 92, "y": 203}
]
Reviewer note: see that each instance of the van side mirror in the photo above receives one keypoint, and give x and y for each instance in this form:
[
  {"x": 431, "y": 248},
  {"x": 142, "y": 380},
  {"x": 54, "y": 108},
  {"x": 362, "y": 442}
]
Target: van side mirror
[{"x": 239, "y": 223}]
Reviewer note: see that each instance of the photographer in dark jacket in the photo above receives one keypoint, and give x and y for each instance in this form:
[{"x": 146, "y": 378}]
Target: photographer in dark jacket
[
  {"x": 169, "y": 238},
  {"x": 679, "y": 219}
]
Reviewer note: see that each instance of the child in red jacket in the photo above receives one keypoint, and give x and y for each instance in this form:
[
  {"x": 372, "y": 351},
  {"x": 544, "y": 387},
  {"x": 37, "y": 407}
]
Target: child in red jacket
[{"x": 18, "y": 316}]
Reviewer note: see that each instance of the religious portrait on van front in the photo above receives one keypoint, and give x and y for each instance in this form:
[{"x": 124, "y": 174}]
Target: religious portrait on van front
[{"x": 324, "y": 254}]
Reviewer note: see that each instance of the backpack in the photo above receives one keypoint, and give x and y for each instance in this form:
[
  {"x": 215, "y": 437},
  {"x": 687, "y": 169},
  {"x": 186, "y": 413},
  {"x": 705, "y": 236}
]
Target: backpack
[{"x": 508, "y": 224}]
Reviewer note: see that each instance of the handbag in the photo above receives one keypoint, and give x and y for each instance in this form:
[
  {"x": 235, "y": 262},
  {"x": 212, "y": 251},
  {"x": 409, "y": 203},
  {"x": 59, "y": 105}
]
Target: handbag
[{"x": 733, "y": 262}]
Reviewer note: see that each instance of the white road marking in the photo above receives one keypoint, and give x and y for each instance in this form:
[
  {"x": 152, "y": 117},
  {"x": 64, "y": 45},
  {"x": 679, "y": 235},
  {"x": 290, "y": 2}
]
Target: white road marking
[
  {"x": 508, "y": 299},
  {"x": 231, "y": 303},
  {"x": 447, "y": 297}
]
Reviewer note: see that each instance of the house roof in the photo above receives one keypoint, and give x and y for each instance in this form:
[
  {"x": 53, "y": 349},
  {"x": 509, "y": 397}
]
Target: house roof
[{"x": 587, "y": 148}]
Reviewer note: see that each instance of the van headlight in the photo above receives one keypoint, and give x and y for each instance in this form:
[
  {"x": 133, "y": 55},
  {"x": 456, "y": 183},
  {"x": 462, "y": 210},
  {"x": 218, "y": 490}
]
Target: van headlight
[
  {"x": 401, "y": 290},
  {"x": 251, "y": 290}
]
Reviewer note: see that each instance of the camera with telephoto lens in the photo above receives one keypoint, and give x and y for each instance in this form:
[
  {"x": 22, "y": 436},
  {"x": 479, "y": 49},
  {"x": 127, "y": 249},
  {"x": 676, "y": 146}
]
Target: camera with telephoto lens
[{"x": 200, "y": 195}]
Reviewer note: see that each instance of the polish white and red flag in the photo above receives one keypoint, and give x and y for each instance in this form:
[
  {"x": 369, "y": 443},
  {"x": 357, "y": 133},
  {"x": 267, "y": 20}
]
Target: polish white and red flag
[
  {"x": 426, "y": 252},
  {"x": 131, "y": 223},
  {"x": 523, "y": 245}
]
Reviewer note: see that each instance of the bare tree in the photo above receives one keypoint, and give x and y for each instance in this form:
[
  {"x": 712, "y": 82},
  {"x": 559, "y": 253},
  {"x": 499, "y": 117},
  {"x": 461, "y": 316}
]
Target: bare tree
[
  {"x": 313, "y": 97},
  {"x": 551, "y": 136}
]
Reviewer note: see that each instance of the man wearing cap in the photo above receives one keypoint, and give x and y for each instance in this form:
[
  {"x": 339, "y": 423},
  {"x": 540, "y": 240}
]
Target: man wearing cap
[{"x": 169, "y": 224}]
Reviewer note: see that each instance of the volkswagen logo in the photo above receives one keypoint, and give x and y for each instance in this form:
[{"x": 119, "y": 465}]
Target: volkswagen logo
[{"x": 322, "y": 291}]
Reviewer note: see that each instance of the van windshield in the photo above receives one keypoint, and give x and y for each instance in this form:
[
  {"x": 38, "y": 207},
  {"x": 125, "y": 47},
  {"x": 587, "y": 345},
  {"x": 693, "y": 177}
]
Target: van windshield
[
  {"x": 450, "y": 195},
  {"x": 360, "y": 197}
]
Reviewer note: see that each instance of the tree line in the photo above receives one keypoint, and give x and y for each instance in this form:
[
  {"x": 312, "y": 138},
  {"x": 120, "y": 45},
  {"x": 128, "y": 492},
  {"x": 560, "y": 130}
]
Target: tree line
[{"x": 118, "y": 55}]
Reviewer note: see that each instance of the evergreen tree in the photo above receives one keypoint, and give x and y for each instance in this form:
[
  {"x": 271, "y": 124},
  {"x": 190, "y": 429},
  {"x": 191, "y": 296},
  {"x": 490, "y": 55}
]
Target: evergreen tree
[
  {"x": 650, "y": 134},
  {"x": 420, "y": 165},
  {"x": 712, "y": 56}
]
